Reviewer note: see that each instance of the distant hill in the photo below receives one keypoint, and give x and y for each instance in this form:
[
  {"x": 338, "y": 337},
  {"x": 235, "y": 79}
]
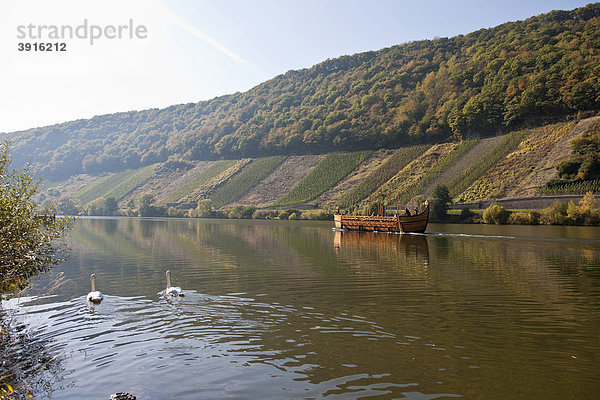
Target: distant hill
[
  {"x": 480, "y": 84},
  {"x": 520, "y": 164}
]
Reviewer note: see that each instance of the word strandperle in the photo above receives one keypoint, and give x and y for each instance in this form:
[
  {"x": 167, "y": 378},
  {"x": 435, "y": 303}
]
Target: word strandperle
[{"x": 85, "y": 31}]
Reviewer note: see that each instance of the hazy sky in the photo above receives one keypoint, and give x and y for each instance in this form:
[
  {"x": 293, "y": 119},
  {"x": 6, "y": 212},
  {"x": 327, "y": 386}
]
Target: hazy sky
[{"x": 187, "y": 51}]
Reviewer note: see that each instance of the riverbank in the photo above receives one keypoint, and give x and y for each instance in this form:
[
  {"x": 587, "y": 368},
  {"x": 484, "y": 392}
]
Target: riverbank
[
  {"x": 579, "y": 210},
  {"x": 584, "y": 212},
  {"x": 520, "y": 203}
]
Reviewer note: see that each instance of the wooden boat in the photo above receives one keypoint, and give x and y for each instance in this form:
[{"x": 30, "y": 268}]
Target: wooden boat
[{"x": 399, "y": 223}]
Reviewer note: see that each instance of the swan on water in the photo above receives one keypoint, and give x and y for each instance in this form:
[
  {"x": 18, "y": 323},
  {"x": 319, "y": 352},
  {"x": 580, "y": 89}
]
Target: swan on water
[
  {"x": 94, "y": 296},
  {"x": 172, "y": 290}
]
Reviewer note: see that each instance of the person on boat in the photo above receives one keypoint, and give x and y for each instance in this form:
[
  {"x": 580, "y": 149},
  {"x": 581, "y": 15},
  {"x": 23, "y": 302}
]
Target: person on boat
[{"x": 407, "y": 211}]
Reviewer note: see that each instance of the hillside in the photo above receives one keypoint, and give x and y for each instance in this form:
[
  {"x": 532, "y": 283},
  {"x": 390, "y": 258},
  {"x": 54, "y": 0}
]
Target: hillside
[
  {"x": 480, "y": 84},
  {"x": 519, "y": 164},
  {"x": 282, "y": 180},
  {"x": 530, "y": 165}
]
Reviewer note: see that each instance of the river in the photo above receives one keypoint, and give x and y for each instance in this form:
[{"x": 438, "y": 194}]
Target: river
[{"x": 295, "y": 310}]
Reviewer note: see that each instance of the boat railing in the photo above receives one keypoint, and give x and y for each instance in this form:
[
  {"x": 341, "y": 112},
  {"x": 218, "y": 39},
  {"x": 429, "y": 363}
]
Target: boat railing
[{"x": 368, "y": 218}]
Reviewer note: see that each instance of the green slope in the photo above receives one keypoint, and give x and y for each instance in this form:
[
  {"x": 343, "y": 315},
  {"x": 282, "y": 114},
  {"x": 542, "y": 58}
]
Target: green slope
[
  {"x": 382, "y": 174},
  {"x": 131, "y": 182},
  {"x": 200, "y": 179},
  {"x": 116, "y": 185},
  {"x": 331, "y": 170},
  {"x": 241, "y": 182}
]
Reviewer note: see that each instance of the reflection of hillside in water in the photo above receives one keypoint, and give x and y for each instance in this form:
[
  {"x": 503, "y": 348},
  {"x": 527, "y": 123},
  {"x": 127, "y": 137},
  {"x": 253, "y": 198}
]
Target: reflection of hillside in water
[{"x": 395, "y": 249}]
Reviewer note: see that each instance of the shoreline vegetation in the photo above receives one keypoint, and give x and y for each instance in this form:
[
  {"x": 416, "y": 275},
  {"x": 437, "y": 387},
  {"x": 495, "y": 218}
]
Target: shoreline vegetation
[
  {"x": 585, "y": 212},
  {"x": 31, "y": 242}
]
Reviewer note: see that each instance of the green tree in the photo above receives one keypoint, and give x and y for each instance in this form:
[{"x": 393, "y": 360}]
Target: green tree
[
  {"x": 96, "y": 207},
  {"x": 495, "y": 214},
  {"x": 146, "y": 208},
  {"x": 110, "y": 206},
  {"x": 67, "y": 206},
  {"x": 28, "y": 236},
  {"x": 146, "y": 200},
  {"x": 241, "y": 212},
  {"x": 204, "y": 208},
  {"x": 31, "y": 241},
  {"x": 441, "y": 201}
]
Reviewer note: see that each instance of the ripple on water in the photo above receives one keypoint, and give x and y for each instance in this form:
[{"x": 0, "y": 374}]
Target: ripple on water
[{"x": 232, "y": 341}]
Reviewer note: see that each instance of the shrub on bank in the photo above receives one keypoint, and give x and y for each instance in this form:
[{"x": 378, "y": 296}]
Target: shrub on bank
[
  {"x": 317, "y": 215},
  {"x": 176, "y": 212},
  {"x": 265, "y": 214},
  {"x": 283, "y": 215},
  {"x": 524, "y": 218},
  {"x": 241, "y": 212},
  {"x": 466, "y": 215},
  {"x": 555, "y": 214},
  {"x": 585, "y": 212},
  {"x": 292, "y": 214},
  {"x": 495, "y": 214}
]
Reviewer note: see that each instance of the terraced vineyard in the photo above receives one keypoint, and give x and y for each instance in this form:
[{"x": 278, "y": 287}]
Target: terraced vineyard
[
  {"x": 546, "y": 170},
  {"x": 572, "y": 187},
  {"x": 442, "y": 162},
  {"x": 518, "y": 164},
  {"x": 198, "y": 179},
  {"x": 239, "y": 184},
  {"x": 496, "y": 148},
  {"x": 452, "y": 176},
  {"x": 409, "y": 176},
  {"x": 131, "y": 182},
  {"x": 510, "y": 175},
  {"x": 207, "y": 189},
  {"x": 280, "y": 181},
  {"x": 379, "y": 176},
  {"x": 115, "y": 185},
  {"x": 332, "y": 169},
  {"x": 331, "y": 198}
]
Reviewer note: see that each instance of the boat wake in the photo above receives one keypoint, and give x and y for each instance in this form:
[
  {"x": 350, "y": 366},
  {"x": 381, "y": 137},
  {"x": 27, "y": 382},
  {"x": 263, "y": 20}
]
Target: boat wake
[{"x": 512, "y": 237}]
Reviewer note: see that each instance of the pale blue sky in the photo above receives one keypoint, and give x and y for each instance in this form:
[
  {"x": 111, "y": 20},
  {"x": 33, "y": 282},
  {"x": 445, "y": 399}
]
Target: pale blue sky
[{"x": 196, "y": 50}]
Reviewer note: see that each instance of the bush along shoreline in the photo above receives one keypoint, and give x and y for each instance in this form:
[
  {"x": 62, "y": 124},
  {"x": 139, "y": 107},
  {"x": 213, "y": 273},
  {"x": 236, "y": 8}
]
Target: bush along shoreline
[
  {"x": 32, "y": 241},
  {"x": 145, "y": 207},
  {"x": 586, "y": 213}
]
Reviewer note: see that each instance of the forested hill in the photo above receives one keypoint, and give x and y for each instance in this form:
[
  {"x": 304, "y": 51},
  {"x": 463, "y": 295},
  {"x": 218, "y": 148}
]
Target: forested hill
[{"x": 477, "y": 84}]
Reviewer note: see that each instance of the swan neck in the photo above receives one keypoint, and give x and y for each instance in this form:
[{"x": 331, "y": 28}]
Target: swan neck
[
  {"x": 93, "y": 281},
  {"x": 168, "y": 279}
]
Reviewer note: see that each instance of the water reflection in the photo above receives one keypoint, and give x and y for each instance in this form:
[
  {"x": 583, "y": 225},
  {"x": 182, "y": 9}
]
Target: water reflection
[
  {"x": 401, "y": 249},
  {"x": 274, "y": 310}
]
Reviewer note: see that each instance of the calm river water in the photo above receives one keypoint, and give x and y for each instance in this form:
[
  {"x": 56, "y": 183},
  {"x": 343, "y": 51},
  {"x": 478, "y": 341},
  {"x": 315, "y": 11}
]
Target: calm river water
[{"x": 295, "y": 310}]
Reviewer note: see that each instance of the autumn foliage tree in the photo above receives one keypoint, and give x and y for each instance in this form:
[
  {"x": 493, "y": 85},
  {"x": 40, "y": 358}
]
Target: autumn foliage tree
[
  {"x": 28, "y": 245},
  {"x": 27, "y": 240}
]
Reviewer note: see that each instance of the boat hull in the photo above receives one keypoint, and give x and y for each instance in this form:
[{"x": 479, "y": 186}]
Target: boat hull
[{"x": 413, "y": 224}]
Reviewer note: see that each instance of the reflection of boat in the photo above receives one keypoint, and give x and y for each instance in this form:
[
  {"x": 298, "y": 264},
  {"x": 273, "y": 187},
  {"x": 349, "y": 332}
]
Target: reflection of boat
[
  {"x": 399, "y": 223},
  {"x": 410, "y": 249}
]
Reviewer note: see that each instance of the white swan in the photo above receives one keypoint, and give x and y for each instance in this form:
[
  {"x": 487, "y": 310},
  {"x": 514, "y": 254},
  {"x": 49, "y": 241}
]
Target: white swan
[
  {"x": 173, "y": 291},
  {"x": 94, "y": 296}
]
